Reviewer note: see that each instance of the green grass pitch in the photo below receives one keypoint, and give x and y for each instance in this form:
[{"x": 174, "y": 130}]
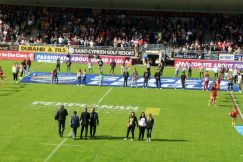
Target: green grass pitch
[{"x": 186, "y": 129}]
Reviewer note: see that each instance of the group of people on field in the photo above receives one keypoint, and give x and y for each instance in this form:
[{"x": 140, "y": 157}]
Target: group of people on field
[{"x": 89, "y": 120}]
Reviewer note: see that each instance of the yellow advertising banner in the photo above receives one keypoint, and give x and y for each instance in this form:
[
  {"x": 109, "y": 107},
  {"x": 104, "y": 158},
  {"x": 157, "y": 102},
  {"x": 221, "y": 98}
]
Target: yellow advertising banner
[{"x": 45, "y": 49}]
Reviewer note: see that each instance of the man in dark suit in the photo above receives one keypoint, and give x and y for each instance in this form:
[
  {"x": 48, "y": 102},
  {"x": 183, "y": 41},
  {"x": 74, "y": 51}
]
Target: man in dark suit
[
  {"x": 125, "y": 76},
  {"x": 85, "y": 116},
  {"x": 94, "y": 121},
  {"x": 74, "y": 123},
  {"x": 60, "y": 116}
]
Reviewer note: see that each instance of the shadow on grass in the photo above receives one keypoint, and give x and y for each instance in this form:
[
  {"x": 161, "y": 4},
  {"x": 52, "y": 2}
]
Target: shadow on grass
[{"x": 170, "y": 140}]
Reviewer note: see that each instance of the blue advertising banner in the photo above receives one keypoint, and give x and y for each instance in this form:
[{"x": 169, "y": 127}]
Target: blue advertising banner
[{"x": 117, "y": 81}]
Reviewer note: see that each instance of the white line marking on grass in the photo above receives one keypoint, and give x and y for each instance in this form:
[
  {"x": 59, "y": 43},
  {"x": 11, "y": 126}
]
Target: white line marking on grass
[
  {"x": 53, "y": 144},
  {"x": 105, "y": 95},
  {"x": 65, "y": 139},
  {"x": 238, "y": 108}
]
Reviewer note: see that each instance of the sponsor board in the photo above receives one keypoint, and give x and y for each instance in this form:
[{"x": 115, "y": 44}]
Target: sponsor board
[
  {"x": 104, "y": 51},
  {"x": 238, "y": 57},
  {"x": 227, "y": 57},
  {"x": 49, "y": 57},
  {"x": 117, "y": 81},
  {"x": 82, "y": 105},
  {"x": 12, "y": 55},
  {"x": 210, "y": 64},
  {"x": 186, "y": 55},
  {"x": 6, "y": 47},
  {"x": 45, "y": 49}
]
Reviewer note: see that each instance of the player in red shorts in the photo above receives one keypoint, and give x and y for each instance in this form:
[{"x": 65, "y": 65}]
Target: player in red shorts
[
  {"x": 2, "y": 76},
  {"x": 233, "y": 114},
  {"x": 213, "y": 95}
]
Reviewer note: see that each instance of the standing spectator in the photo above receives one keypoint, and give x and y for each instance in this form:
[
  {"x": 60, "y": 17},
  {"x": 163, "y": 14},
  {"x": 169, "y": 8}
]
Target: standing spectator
[
  {"x": 60, "y": 116},
  {"x": 101, "y": 79},
  {"x": 177, "y": 69},
  {"x": 239, "y": 81},
  {"x": 58, "y": 65},
  {"x": 201, "y": 70},
  {"x": 2, "y": 76},
  {"x": 190, "y": 66},
  {"x": 147, "y": 65},
  {"x": 123, "y": 65},
  {"x": 132, "y": 123},
  {"x": 74, "y": 124},
  {"x": 94, "y": 121},
  {"x": 216, "y": 72},
  {"x": 54, "y": 76},
  {"x": 157, "y": 79},
  {"x": 28, "y": 64},
  {"x": 230, "y": 83},
  {"x": 112, "y": 65},
  {"x": 235, "y": 75},
  {"x": 134, "y": 78},
  {"x": 68, "y": 63},
  {"x": 100, "y": 64},
  {"x": 149, "y": 127},
  {"x": 84, "y": 77},
  {"x": 222, "y": 71},
  {"x": 142, "y": 125},
  {"x": 206, "y": 81},
  {"x": 146, "y": 77},
  {"x": 161, "y": 67},
  {"x": 226, "y": 73},
  {"x": 184, "y": 66},
  {"x": 90, "y": 66},
  {"x": 183, "y": 80},
  {"x": 79, "y": 73},
  {"x": 23, "y": 68},
  {"x": 84, "y": 118},
  {"x": 233, "y": 115},
  {"x": 15, "y": 73},
  {"x": 125, "y": 76}
]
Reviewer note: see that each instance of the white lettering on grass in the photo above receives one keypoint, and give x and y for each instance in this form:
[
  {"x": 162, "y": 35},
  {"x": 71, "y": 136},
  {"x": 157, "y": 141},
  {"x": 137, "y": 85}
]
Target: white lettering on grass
[{"x": 81, "y": 105}]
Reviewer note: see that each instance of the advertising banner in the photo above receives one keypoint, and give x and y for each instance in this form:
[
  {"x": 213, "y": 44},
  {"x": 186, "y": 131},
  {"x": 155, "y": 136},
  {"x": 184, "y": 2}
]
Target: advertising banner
[
  {"x": 238, "y": 57},
  {"x": 45, "y": 49},
  {"x": 210, "y": 63},
  {"x": 186, "y": 55},
  {"x": 50, "y": 57},
  {"x": 108, "y": 51},
  {"x": 12, "y": 55},
  {"x": 226, "y": 57}
]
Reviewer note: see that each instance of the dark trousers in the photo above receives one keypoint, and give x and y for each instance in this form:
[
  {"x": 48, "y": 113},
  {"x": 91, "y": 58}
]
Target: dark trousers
[
  {"x": 189, "y": 73},
  {"x": 216, "y": 75},
  {"x": 92, "y": 130},
  {"x": 230, "y": 86},
  {"x": 58, "y": 66},
  {"x": 82, "y": 130},
  {"x": 158, "y": 83},
  {"x": 201, "y": 74},
  {"x": 141, "y": 132},
  {"x": 235, "y": 79},
  {"x": 74, "y": 132},
  {"x": 145, "y": 83},
  {"x": 149, "y": 132},
  {"x": 112, "y": 70},
  {"x": 125, "y": 82},
  {"x": 84, "y": 80},
  {"x": 54, "y": 79},
  {"x": 15, "y": 76},
  {"x": 130, "y": 128},
  {"x": 183, "y": 84},
  {"x": 79, "y": 80},
  {"x": 68, "y": 68},
  {"x": 61, "y": 127}
]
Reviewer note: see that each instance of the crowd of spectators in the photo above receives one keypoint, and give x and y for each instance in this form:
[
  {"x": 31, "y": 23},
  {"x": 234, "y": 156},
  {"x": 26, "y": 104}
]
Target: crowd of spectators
[{"x": 89, "y": 27}]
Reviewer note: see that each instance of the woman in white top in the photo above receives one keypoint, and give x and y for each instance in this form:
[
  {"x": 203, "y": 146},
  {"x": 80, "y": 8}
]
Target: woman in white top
[
  {"x": 142, "y": 125},
  {"x": 90, "y": 67}
]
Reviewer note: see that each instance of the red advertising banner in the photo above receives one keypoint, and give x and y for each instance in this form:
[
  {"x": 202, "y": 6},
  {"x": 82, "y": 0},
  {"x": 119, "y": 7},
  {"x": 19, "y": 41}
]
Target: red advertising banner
[
  {"x": 14, "y": 55},
  {"x": 210, "y": 63}
]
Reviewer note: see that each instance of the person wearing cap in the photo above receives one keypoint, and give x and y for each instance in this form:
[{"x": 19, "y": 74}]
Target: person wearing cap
[
  {"x": 94, "y": 121},
  {"x": 60, "y": 116},
  {"x": 84, "y": 118},
  {"x": 74, "y": 124}
]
